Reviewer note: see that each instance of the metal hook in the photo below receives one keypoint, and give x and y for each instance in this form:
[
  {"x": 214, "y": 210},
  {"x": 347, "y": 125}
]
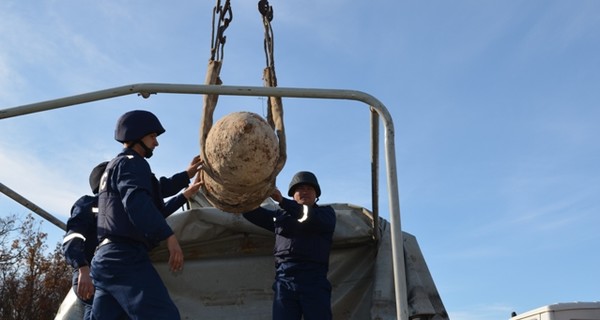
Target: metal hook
[{"x": 265, "y": 9}]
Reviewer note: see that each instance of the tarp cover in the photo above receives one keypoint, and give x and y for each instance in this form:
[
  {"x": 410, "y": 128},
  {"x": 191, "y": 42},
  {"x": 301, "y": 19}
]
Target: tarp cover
[{"x": 229, "y": 269}]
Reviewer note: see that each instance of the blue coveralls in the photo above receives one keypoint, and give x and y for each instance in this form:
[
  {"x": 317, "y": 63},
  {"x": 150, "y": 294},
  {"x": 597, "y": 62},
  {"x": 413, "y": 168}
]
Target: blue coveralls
[
  {"x": 80, "y": 240},
  {"x": 132, "y": 216},
  {"x": 303, "y": 238}
]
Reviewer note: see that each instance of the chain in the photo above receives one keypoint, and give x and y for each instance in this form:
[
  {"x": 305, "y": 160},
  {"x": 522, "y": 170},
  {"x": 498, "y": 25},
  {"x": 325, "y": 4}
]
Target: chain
[{"x": 218, "y": 37}]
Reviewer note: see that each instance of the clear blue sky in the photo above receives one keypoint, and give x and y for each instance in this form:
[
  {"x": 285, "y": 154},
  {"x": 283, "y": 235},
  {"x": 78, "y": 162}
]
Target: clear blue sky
[{"x": 496, "y": 106}]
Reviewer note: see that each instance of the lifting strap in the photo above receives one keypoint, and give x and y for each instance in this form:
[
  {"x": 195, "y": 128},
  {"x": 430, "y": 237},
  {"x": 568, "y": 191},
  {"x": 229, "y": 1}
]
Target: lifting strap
[
  {"x": 222, "y": 17},
  {"x": 218, "y": 38},
  {"x": 274, "y": 104}
]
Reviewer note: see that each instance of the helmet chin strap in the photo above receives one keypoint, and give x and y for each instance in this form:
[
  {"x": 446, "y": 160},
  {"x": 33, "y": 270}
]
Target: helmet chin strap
[{"x": 148, "y": 152}]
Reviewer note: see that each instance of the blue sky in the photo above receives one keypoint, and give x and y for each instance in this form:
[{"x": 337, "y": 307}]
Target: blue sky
[{"x": 495, "y": 104}]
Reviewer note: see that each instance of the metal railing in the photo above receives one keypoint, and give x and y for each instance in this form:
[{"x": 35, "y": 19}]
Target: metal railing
[{"x": 378, "y": 111}]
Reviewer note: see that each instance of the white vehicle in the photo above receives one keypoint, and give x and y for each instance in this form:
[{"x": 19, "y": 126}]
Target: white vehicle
[{"x": 563, "y": 311}]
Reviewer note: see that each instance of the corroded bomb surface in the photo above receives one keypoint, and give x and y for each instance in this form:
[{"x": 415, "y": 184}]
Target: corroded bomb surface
[{"x": 242, "y": 151}]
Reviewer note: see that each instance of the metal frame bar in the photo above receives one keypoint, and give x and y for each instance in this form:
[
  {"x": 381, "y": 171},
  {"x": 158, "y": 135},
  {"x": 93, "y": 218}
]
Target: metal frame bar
[
  {"x": 146, "y": 89},
  {"x": 32, "y": 206}
]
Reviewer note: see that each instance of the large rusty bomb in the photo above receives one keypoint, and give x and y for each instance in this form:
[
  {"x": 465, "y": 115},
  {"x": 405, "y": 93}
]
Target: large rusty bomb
[{"x": 241, "y": 152}]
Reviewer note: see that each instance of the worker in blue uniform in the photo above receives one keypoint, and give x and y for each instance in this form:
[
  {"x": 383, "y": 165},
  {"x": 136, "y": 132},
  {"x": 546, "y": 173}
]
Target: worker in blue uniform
[
  {"x": 80, "y": 241},
  {"x": 131, "y": 221},
  {"x": 303, "y": 237}
]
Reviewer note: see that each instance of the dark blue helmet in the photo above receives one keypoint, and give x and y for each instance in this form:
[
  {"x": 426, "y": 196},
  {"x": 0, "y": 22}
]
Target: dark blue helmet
[
  {"x": 134, "y": 125},
  {"x": 304, "y": 177},
  {"x": 95, "y": 176}
]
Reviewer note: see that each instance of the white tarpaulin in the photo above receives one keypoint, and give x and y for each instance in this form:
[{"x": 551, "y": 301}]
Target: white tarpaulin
[{"x": 229, "y": 269}]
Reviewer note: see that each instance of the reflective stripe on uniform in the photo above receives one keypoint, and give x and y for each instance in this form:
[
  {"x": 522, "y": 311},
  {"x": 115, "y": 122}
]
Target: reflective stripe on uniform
[
  {"x": 105, "y": 241},
  {"x": 305, "y": 214},
  {"x": 71, "y": 236}
]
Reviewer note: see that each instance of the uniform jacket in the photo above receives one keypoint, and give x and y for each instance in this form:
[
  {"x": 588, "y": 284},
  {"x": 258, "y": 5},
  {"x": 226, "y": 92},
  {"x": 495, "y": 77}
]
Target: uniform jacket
[
  {"x": 303, "y": 235},
  {"x": 131, "y": 206},
  {"x": 80, "y": 241}
]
